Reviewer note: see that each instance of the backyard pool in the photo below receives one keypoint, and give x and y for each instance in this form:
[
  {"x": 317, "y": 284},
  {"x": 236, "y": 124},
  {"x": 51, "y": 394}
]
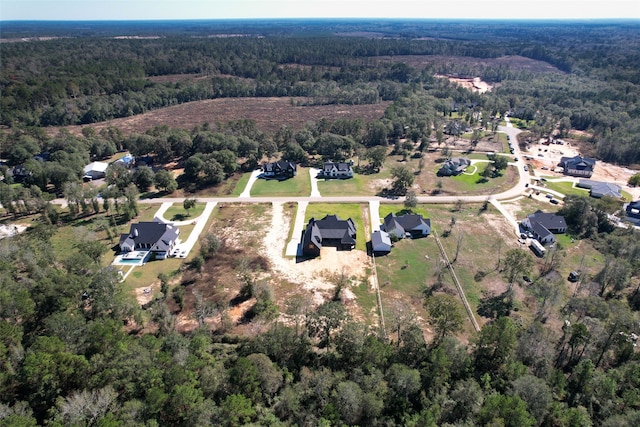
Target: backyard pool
[{"x": 132, "y": 258}]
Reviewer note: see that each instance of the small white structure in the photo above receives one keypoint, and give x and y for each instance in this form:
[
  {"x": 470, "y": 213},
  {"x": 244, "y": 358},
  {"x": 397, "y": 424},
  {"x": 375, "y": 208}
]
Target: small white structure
[
  {"x": 380, "y": 242},
  {"x": 95, "y": 170}
]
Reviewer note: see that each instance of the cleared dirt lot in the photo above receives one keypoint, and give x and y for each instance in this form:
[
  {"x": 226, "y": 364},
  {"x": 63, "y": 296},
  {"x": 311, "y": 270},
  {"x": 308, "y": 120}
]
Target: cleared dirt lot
[{"x": 268, "y": 113}]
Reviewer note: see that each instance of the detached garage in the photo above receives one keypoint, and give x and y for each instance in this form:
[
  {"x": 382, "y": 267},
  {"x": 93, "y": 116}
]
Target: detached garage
[
  {"x": 380, "y": 242},
  {"x": 95, "y": 170}
]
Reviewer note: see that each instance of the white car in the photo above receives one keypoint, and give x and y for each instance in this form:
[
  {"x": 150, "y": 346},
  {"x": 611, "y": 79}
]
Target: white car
[{"x": 182, "y": 253}]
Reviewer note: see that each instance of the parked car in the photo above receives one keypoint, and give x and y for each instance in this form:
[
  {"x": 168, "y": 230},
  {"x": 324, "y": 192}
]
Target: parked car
[
  {"x": 554, "y": 201},
  {"x": 182, "y": 254},
  {"x": 548, "y": 196},
  {"x": 526, "y": 279},
  {"x": 574, "y": 276}
]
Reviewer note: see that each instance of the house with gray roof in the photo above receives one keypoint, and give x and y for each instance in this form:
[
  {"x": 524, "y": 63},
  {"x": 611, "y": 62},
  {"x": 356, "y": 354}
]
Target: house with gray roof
[
  {"x": 380, "y": 242},
  {"x": 328, "y": 231},
  {"x": 545, "y": 225},
  {"x": 454, "y": 166},
  {"x": 150, "y": 236},
  {"x": 577, "y": 166},
  {"x": 600, "y": 189},
  {"x": 408, "y": 224},
  {"x": 337, "y": 170}
]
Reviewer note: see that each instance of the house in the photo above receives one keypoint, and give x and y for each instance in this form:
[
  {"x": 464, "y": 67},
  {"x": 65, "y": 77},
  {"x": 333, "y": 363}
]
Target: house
[
  {"x": 380, "y": 242},
  {"x": 328, "y": 231},
  {"x": 633, "y": 209},
  {"x": 19, "y": 173},
  {"x": 577, "y": 166},
  {"x": 544, "y": 225},
  {"x": 151, "y": 236},
  {"x": 281, "y": 169},
  {"x": 454, "y": 166},
  {"x": 95, "y": 170},
  {"x": 411, "y": 224},
  {"x": 337, "y": 170},
  {"x": 600, "y": 189}
]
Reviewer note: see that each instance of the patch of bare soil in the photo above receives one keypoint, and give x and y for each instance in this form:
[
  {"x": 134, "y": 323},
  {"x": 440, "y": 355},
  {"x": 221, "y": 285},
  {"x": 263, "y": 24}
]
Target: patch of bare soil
[
  {"x": 268, "y": 113},
  {"x": 474, "y": 84},
  {"x": 144, "y": 294},
  {"x": 316, "y": 276},
  {"x": 549, "y": 156}
]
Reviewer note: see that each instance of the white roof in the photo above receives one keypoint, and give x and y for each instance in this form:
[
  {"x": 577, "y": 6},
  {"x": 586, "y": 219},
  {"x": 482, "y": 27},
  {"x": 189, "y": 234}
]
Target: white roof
[{"x": 96, "y": 166}]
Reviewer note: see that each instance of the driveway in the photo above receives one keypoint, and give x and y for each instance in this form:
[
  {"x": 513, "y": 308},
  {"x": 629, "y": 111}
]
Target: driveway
[
  {"x": 294, "y": 243},
  {"x": 313, "y": 174},
  {"x": 374, "y": 214},
  {"x": 247, "y": 190},
  {"x": 201, "y": 221}
]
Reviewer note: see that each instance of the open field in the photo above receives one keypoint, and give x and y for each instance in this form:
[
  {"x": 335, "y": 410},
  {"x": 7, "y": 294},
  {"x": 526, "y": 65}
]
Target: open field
[
  {"x": 268, "y": 113},
  {"x": 299, "y": 185}
]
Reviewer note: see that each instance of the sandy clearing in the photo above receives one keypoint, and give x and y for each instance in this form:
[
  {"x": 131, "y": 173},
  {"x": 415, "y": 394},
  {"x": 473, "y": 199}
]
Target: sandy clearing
[
  {"x": 603, "y": 171},
  {"x": 11, "y": 230},
  {"x": 313, "y": 275},
  {"x": 474, "y": 84}
]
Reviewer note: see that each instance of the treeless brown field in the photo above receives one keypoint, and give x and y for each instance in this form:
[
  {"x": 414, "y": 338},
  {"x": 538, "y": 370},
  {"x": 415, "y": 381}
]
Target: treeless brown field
[{"x": 268, "y": 113}]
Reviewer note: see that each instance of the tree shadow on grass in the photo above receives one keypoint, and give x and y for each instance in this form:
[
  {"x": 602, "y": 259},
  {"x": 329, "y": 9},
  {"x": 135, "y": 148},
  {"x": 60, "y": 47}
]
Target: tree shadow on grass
[
  {"x": 179, "y": 217},
  {"x": 493, "y": 306}
]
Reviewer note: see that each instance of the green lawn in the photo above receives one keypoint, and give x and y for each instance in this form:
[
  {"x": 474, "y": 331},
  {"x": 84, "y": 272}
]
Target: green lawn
[
  {"x": 299, "y": 185},
  {"x": 241, "y": 184},
  {"x": 566, "y": 188},
  {"x": 342, "y": 187},
  {"x": 344, "y": 211},
  {"x": 178, "y": 213}
]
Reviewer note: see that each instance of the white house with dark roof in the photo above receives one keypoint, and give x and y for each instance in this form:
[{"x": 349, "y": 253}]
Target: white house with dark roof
[
  {"x": 545, "y": 225},
  {"x": 399, "y": 226},
  {"x": 600, "y": 189},
  {"x": 337, "y": 170},
  {"x": 281, "y": 169},
  {"x": 577, "y": 166},
  {"x": 151, "y": 236}
]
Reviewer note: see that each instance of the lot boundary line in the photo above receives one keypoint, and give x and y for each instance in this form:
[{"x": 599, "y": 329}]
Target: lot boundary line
[{"x": 467, "y": 307}]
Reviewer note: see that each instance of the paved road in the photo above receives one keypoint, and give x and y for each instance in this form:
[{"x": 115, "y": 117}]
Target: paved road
[{"x": 509, "y": 194}]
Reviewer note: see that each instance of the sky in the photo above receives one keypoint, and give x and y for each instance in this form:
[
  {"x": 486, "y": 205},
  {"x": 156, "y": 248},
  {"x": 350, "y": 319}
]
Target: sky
[{"x": 232, "y": 9}]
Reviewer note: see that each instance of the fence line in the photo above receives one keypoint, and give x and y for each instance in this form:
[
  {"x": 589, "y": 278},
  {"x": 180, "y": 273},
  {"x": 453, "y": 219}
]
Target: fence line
[{"x": 467, "y": 307}]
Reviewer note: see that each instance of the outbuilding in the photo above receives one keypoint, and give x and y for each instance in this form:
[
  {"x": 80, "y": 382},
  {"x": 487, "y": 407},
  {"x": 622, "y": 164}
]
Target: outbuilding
[{"x": 380, "y": 242}]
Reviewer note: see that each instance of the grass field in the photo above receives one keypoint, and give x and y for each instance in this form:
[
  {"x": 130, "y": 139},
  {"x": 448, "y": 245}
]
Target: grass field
[
  {"x": 241, "y": 184},
  {"x": 344, "y": 211},
  {"x": 178, "y": 213},
  {"x": 566, "y": 188},
  {"x": 299, "y": 185}
]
